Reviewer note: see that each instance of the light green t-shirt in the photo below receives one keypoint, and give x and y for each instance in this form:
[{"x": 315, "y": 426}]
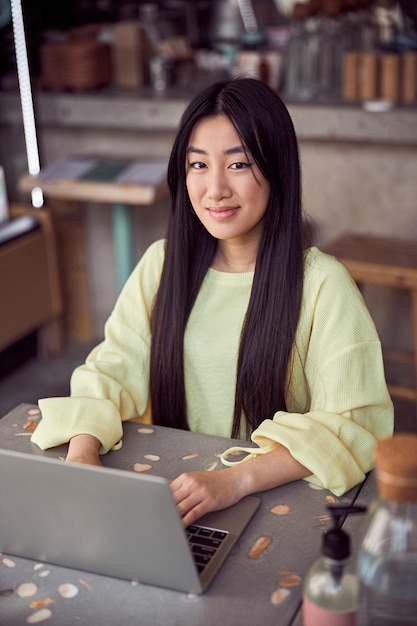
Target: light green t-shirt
[{"x": 338, "y": 402}]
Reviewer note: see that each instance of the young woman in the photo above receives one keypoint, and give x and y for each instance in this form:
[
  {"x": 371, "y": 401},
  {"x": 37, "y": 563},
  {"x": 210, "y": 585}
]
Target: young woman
[{"x": 230, "y": 326}]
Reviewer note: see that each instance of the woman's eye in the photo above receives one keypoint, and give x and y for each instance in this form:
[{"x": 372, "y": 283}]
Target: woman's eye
[
  {"x": 197, "y": 165},
  {"x": 240, "y": 165}
]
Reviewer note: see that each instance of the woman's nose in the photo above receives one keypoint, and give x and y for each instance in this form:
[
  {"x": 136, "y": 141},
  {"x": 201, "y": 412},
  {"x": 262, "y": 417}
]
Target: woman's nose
[{"x": 217, "y": 185}]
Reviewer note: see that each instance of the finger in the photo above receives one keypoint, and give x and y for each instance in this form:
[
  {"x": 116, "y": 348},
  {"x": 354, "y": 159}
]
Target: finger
[
  {"x": 190, "y": 506},
  {"x": 184, "y": 486},
  {"x": 193, "y": 514},
  {"x": 179, "y": 491}
]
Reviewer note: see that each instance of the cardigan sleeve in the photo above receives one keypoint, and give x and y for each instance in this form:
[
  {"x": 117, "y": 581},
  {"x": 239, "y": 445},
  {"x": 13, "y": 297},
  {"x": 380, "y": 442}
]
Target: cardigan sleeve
[
  {"x": 345, "y": 407},
  {"x": 113, "y": 384}
]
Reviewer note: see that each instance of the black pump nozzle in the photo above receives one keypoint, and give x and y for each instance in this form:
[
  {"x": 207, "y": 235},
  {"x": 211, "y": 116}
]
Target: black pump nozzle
[{"x": 336, "y": 543}]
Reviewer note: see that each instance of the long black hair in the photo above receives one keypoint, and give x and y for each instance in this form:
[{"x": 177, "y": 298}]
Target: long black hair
[{"x": 266, "y": 130}]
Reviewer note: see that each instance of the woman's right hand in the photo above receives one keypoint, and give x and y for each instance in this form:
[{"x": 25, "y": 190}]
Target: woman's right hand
[{"x": 84, "y": 449}]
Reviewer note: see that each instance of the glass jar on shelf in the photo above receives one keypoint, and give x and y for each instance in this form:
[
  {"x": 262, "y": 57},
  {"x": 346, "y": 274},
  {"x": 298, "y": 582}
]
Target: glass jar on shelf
[
  {"x": 301, "y": 56},
  {"x": 330, "y": 54}
]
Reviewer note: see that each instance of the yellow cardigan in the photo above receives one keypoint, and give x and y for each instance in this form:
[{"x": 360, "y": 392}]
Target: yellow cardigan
[{"x": 338, "y": 402}]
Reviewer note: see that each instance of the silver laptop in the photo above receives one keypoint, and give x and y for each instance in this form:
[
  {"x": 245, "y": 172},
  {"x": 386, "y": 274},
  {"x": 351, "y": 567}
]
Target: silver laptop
[{"x": 109, "y": 521}]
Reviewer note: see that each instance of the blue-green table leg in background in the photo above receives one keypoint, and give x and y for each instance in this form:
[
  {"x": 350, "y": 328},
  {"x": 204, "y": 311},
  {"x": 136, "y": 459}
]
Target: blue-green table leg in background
[{"x": 123, "y": 243}]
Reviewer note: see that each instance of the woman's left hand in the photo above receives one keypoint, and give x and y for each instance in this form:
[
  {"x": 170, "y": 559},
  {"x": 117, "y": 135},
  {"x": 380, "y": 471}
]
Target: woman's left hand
[{"x": 197, "y": 493}]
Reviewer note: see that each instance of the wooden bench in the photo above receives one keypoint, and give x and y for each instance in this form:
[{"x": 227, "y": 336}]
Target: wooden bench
[{"x": 391, "y": 263}]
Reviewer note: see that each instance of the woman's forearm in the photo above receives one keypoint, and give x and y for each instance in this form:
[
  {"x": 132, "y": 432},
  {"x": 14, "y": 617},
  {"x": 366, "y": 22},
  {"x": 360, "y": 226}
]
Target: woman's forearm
[{"x": 267, "y": 471}]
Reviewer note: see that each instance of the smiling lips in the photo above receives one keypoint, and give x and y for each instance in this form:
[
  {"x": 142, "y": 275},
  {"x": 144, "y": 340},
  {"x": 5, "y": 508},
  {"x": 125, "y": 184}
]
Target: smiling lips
[{"x": 222, "y": 212}]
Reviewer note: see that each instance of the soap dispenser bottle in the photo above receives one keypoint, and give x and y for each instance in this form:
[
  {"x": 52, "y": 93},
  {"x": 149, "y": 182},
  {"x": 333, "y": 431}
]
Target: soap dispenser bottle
[{"x": 330, "y": 591}]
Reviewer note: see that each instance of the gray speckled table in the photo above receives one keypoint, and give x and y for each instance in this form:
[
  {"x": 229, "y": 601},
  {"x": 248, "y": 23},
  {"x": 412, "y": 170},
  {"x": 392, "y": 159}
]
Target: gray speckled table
[{"x": 266, "y": 590}]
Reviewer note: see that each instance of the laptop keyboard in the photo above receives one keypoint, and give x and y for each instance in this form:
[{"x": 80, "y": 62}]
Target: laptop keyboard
[{"x": 204, "y": 543}]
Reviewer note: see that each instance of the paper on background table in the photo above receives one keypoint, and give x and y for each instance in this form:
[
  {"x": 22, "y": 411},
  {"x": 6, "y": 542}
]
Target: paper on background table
[
  {"x": 125, "y": 172},
  {"x": 67, "y": 169}
]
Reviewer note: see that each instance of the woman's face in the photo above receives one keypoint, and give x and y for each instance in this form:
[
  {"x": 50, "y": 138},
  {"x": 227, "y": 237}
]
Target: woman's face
[{"x": 225, "y": 186}]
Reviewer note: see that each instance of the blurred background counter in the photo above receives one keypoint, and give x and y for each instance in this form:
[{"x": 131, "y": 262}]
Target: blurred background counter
[{"x": 358, "y": 174}]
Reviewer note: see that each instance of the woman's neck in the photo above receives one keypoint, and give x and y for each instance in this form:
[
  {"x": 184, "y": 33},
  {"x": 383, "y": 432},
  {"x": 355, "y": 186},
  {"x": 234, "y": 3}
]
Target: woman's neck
[{"x": 234, "y": 259}]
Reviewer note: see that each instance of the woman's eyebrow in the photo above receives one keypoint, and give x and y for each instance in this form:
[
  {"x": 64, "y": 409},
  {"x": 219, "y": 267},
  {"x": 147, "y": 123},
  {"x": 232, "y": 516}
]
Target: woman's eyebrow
[{"x": 234, "y": 150}]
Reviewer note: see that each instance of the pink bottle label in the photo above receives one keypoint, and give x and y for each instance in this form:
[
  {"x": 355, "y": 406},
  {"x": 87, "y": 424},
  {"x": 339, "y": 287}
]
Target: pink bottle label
[{"x": 315, "y": 616}]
